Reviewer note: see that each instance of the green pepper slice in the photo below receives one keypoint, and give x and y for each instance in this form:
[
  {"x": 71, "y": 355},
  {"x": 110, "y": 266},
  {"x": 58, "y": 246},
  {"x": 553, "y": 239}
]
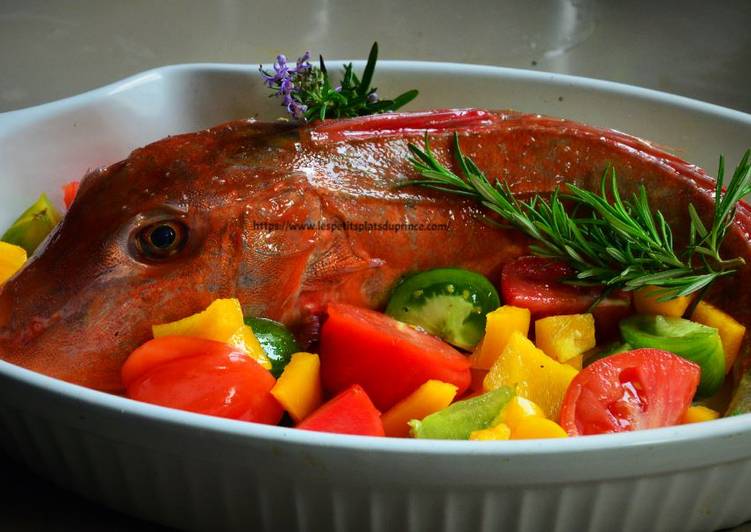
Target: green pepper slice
[
  {"x": 33, "y": 226},
  {"x": 459, "y": 420},
  {"x": 450, "y": 303},
  {"x": 693, "y": 341},
  {"x": 276, "y": 340}
]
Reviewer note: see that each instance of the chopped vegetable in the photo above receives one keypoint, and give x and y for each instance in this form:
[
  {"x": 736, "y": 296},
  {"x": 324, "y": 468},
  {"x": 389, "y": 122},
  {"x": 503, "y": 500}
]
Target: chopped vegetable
[
  {"x": 535, "y": 428},
  {"x": 450, "y": 303},
  {"x": 539, "y": 284},
  {"x": 497, "y": 432},
  {"x": 461, "y": 419},
  {"x": 533, "y": 374},
  {"x": 202, "y": 376},
  {"x": 639, "y": 389},
  {"x": 697, "y": 414},
  {"x": 70, "y": 190},
  {"x": 33, "y": 226},
  {"x": 298, "y": 389},
  {"x": 389, "y": 359},
  {"x": 565, "y": 337},
  {"x": 498, "y": 328},
  {"x": 518, "y": 409},
  {"x": 222, "y": 321},
  {"x": 731, "y": 332},
  {"x": 12, "y": 259},
  {"x": 427, "y": 399},
  {"x": 647, "y": 300},
  {"x": 693, "y": 341},
  {"x": 350, "y": 412},
  {"x": 277, "y": 341}
]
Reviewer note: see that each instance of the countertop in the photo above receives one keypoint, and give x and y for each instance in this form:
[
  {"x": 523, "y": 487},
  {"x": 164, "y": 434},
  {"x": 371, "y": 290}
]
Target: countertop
[{"x": 50, "y": 50}]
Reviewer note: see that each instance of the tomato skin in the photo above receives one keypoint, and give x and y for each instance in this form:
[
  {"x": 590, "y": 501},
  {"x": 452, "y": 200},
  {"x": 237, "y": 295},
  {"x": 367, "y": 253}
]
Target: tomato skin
[
  {"x": 350, "y": 412},
  {"x": 535, "y": 283},
  {"x": 639, "y": 389},
  {"x": 201, "y": 376},
  {"x": 389, "y": 359},
  {"x": 69, "y": 193}
]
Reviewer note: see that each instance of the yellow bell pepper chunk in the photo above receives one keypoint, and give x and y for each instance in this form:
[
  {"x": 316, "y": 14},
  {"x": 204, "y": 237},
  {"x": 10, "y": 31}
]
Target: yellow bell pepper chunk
[
  {"x": 565, "y": 337},
  {"x": 222, "y": 321},
  {"x": 697, "y": 414},
  {"x": 431, "y": 397},
  {"x": 298, "y": 388},
  {"x": 535, "y": 375},
  {"x": 12, "y": 258},
  {"x": 498, "y": 328},
  {"x": 245, "y": 339},
  {"x": 498, "y": 432},
  {"x": 731, "y": 332},
  {"x": 535, "y": 428},
  {"x": 646, "y": 302},
  {"x": 516, "y": 410}
]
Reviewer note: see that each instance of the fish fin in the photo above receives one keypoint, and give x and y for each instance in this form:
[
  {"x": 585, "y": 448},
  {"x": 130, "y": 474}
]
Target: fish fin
[{"x": 329, "y": 267}]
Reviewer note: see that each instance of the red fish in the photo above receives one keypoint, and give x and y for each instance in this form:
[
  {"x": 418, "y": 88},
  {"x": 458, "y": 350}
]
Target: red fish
[{"x": 290, "y": 218}]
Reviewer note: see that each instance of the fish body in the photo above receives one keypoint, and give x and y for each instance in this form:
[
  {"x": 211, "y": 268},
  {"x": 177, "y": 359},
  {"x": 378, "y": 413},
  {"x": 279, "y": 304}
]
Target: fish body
[{"x": 290, "y": 218}]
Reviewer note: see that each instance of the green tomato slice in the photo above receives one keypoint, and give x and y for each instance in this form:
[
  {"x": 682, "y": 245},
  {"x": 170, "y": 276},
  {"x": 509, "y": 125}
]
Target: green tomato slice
[
  {"x": 276, "y": 340},
  {"x": 693, "y": 341},
  {"x": 450, "y": 303},
  {"x": 33, "y": 226}
]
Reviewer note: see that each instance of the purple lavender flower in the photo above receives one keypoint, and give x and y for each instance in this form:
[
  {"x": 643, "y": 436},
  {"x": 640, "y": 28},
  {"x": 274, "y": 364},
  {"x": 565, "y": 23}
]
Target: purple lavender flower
[{"x": 286, "y": 80}]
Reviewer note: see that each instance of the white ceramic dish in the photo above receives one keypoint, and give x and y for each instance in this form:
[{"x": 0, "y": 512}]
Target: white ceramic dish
[{"x": 203, "y": 473}]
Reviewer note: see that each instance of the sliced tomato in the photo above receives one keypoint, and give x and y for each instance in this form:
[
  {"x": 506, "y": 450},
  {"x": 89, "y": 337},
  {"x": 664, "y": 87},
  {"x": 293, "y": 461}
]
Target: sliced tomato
[
  {"x": 535, "y": 283},
  {"x": 639, "y": 389},
  {"x": 350, "y": 412},
  {"x": 389, "y": 359},
  {"x": 201, "y": 376},
  {"x": 69, "y": 193}
]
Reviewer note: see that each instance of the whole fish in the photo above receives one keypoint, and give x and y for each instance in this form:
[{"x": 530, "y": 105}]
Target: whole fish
[{"x": 289, "y": 218}]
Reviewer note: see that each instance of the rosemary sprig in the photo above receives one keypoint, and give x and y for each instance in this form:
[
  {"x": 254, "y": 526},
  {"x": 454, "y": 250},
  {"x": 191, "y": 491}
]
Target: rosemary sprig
[
  {"x": 608, "y": 240},
  {"x": 308, "y": 93}
]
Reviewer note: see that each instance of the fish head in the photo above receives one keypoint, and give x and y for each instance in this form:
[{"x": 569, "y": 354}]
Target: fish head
[{"x": 148, "y": 240}]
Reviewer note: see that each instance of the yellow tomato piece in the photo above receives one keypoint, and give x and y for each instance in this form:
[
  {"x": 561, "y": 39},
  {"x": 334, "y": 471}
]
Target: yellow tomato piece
[
  {"x": 12, "y": 258},
  {"x": 565, "y": 337},
  {"x": 697, "y": 414},
  {"x": 498, "y": 432},
  {"x": 535, "y": 428},
  {"x": 516, "y": 410},
  {"x": 218, "y": 322},
  {"x": 501, "y": 323},
  {"x": 535, "y": 375},
  {"x": 431, "y": 397},
  {"x": 298, "y": 388},
  {"x": 577, "y": 362},
  {"x": 245, "y": 339},
  {"x": 731, "y": 332},
  {"x": 646, "y": 302}
]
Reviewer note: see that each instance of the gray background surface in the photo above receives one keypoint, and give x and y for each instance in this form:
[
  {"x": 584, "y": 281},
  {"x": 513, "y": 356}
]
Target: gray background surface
[{"x": 50, "y": 50}]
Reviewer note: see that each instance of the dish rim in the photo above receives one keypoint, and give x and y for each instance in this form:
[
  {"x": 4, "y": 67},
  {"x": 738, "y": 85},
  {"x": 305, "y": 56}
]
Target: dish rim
[{"x": 114, "y": 404}]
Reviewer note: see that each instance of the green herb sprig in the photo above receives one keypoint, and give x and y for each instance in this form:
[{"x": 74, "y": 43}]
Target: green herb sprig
[
  {"x": 308, "y": 93},
  {"x": 608, "y": 240}
]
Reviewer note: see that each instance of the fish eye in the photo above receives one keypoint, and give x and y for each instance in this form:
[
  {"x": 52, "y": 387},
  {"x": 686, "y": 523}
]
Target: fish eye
[{"x": 162, "y": 239}]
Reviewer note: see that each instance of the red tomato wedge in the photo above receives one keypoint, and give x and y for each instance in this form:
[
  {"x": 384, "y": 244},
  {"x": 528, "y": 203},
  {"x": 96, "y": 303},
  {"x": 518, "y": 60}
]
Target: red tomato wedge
[
  {"x": 389, "y": 359},
  {"x": 535, "y": 283},
  {"x": 201, "y": 376},
  {"x": 69, "y": 193},
  {"x": 639, "y": 389},
  {"x": 350, "y": 412}
]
